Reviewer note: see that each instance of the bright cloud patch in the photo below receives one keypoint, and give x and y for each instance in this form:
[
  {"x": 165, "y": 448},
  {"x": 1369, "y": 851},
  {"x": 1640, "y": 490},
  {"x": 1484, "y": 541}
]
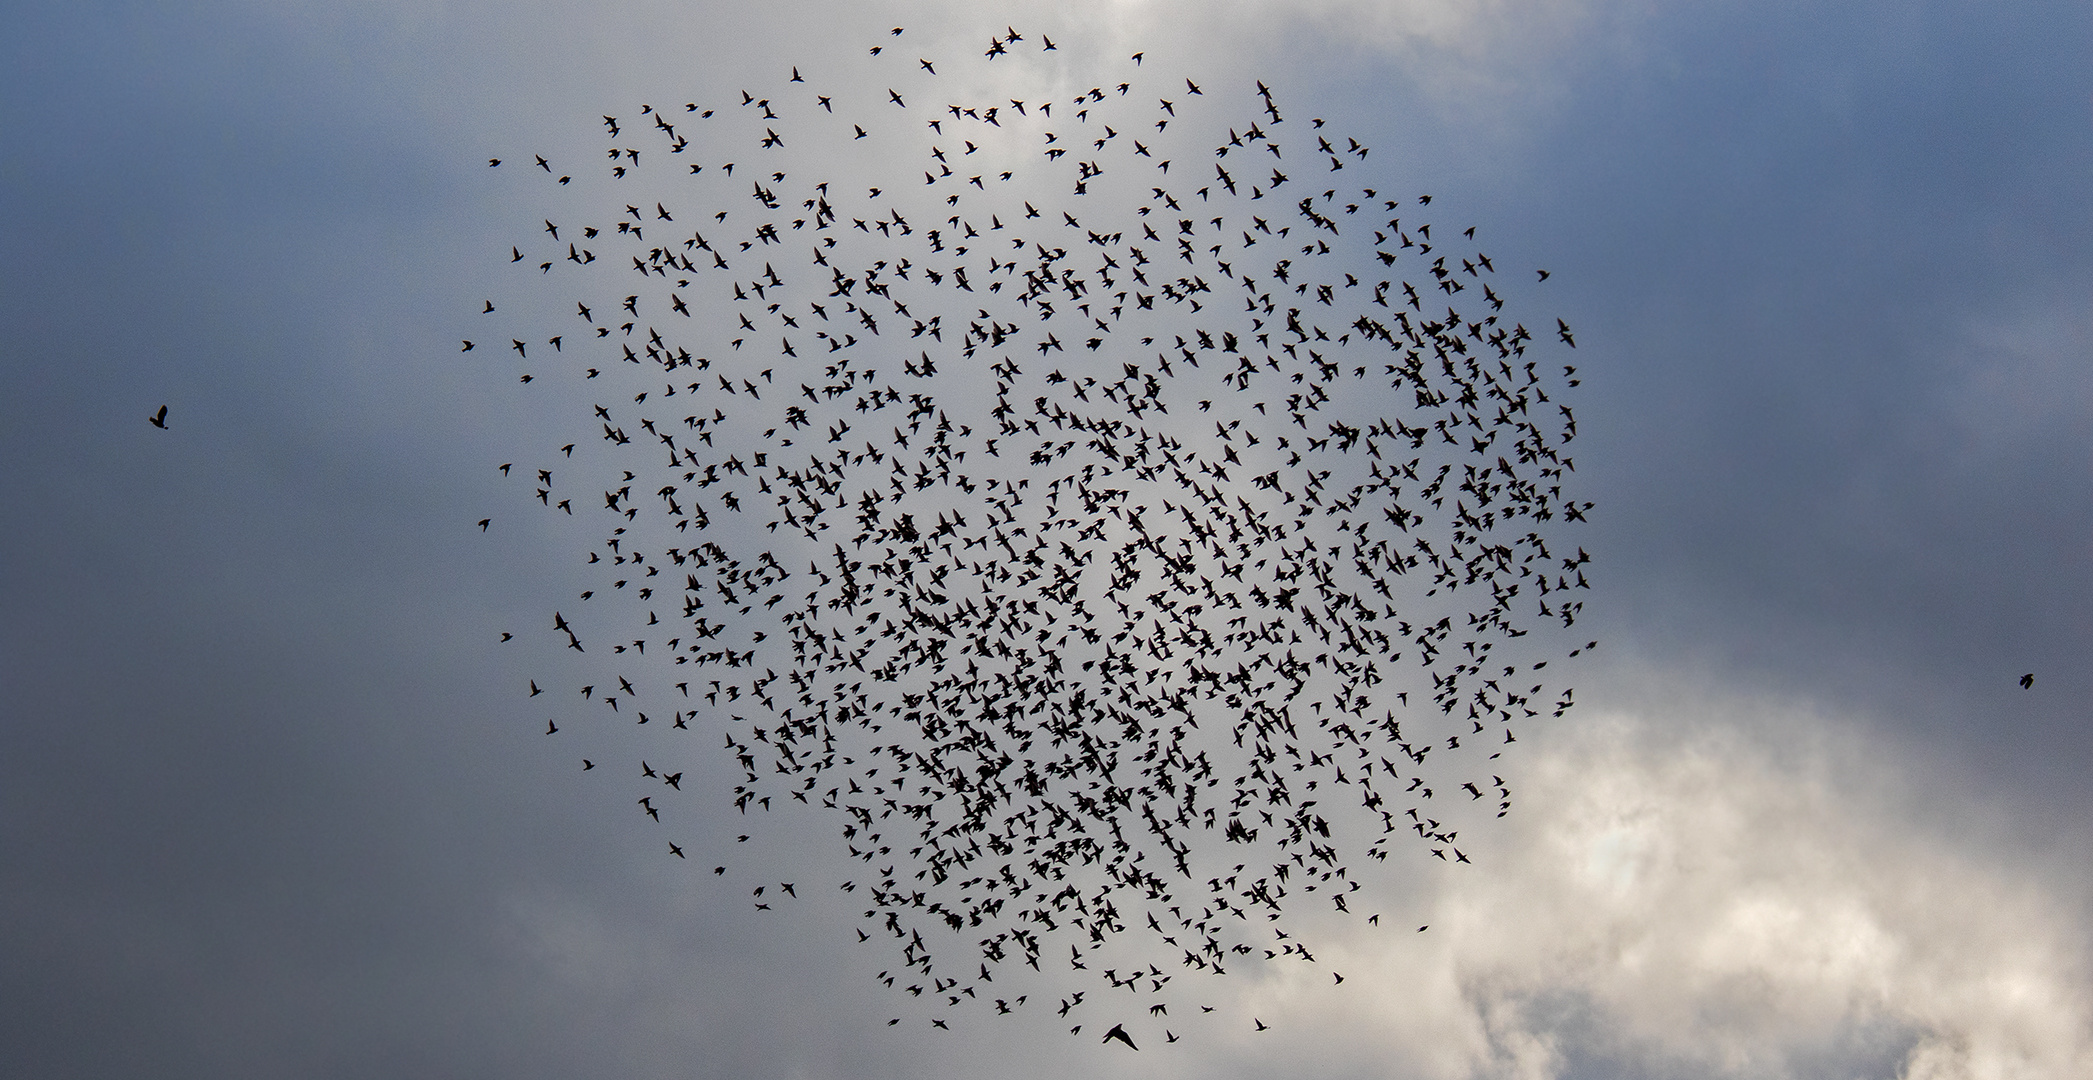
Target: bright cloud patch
[{"x": 1704, "y": 905}]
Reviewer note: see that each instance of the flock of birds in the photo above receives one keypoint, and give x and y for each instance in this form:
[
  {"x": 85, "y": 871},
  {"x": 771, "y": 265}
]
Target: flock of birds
[{"x": 1224, "y": 541}]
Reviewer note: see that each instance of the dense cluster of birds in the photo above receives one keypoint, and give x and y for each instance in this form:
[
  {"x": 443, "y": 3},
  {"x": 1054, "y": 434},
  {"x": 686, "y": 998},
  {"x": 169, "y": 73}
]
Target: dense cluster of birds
[{"x": 1110, "y": 509}]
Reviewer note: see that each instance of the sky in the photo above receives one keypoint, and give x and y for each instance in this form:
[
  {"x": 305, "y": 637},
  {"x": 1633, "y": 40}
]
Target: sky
[{"x": 270, "y": 804}]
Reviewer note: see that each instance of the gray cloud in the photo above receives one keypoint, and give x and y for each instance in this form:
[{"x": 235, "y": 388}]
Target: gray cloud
[{"x": 266, "y": 806}]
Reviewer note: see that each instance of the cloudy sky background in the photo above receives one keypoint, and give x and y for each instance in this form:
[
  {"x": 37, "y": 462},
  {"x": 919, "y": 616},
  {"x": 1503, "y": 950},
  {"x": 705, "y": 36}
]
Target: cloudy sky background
[{"x": 266, "y": 808}]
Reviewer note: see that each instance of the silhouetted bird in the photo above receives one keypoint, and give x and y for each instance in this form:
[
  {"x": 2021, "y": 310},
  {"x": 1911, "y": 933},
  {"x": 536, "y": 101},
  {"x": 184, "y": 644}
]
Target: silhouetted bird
[{"x": 1105, "y": 637}]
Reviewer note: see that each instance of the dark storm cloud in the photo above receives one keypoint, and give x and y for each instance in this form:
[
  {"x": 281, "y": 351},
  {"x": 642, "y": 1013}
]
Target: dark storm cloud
[
  {"x": 1825, "y": 229},
  {"x": 1837, "y": 265},
  {"x": 266, "y": 806}
]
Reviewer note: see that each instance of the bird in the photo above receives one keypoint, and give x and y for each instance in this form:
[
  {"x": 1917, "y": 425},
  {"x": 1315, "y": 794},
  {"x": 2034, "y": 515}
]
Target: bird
[
  {"x": 971, "y": 608},
  {"x": 159, "y": 419},
  {"x": 1119, "y": 1032},
  {"x": 2027, "y": 681}
]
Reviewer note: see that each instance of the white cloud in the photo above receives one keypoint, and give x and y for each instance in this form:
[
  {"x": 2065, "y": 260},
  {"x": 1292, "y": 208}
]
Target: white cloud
[
  {"x": 1747, "y": 897},
  {"x": 1460, "y": 25}
]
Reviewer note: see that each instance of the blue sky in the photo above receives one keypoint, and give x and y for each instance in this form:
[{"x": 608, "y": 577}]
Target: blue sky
[{"x": 266, "y": 808}]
